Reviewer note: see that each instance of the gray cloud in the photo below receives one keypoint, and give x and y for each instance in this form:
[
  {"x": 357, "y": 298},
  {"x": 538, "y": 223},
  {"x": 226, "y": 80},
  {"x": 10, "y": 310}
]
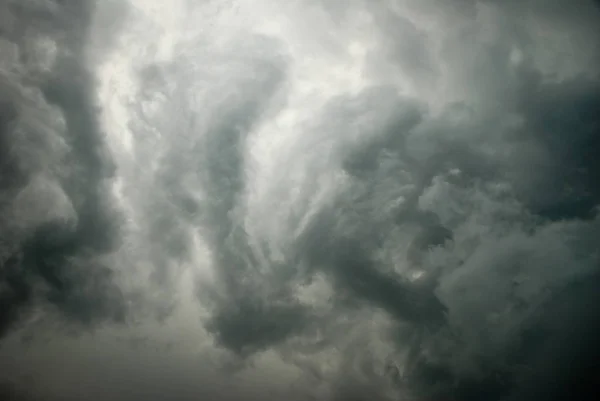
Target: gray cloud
[
  {"x": 560, "y": 120},
  {"x": 427, "y": 234},
  {"x": 57, "y": 219}
]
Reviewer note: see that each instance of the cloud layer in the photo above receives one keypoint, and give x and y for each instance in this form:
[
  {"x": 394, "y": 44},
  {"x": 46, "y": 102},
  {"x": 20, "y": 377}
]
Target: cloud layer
[{"x": 398, "y": 200}]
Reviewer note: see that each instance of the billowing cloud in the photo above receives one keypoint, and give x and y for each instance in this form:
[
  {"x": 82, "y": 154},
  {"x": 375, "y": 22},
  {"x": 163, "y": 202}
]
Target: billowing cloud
[
  {"x": 357, "y": 200},
  {"x": 57, "y": 220}
]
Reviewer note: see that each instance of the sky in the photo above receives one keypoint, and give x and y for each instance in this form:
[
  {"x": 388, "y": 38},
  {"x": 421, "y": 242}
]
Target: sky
[{"x": 302, "y": 200}]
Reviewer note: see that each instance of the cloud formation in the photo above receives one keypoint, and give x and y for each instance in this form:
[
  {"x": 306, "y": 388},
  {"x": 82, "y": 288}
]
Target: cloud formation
[
  {"x": 399, "y": 201},
  {"x": 57, "y": 220}
]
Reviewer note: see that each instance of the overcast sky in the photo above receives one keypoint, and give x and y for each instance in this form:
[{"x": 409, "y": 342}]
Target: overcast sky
[{"x": 302, "y": 200}]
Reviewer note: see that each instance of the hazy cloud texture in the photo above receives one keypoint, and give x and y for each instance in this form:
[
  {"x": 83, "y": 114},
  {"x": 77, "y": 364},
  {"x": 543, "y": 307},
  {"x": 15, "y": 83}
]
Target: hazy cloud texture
[{"x": 392, "y": 200}]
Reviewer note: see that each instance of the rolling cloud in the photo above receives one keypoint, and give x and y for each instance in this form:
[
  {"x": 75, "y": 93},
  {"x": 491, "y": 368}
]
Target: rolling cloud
[{"x": 392, "y": 200}]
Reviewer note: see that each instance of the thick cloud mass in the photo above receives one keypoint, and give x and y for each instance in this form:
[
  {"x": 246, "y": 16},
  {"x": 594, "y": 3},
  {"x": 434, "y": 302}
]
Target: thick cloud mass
[
  {"x": 391, "y": 200},
  {"x": 56, "y": 217}
]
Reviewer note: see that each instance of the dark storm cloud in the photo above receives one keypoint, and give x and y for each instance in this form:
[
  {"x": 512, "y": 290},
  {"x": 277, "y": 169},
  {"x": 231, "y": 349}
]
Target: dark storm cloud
[
  {"x": 544, "y": 162},
  {"x": 248, "y": 314},
  {"x": 565, "y": 364},
  {"x": 9, "y": 392},
  {"x": 468, "y": 197},
  {"x": 344, "y": 237},
  {"x": 55, "y": 210},
  {"x": 409, "y": 153},
  {"x": 471, "y": 229},
  {"x": 561, "y": 120}
]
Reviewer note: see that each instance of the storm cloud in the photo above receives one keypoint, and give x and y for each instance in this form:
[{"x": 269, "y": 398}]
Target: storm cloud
[
  {"x": 302, "y": 200},
  {"x": 57, "y": 220}
]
